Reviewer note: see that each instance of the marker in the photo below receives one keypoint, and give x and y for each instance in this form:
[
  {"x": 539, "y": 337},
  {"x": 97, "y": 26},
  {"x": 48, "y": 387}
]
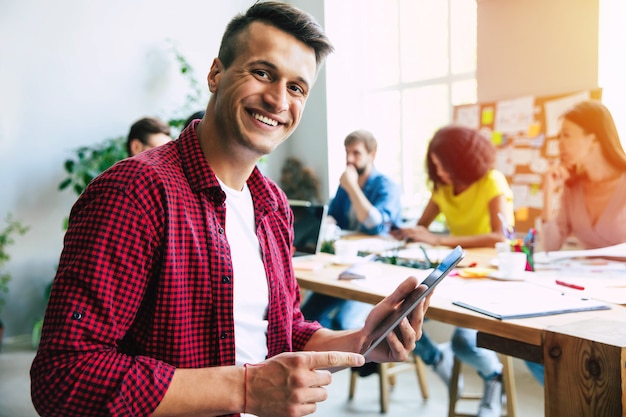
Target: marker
[{"x": 569, "y": 285}]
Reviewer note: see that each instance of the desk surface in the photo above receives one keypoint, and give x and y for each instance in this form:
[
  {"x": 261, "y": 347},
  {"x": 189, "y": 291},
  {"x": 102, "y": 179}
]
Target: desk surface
[
  {"x": 387, "y": 277},
  {"x": 584, "y": 352}
]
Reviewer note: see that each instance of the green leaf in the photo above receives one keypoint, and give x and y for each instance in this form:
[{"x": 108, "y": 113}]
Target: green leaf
[{"x": 65, "y": 183}]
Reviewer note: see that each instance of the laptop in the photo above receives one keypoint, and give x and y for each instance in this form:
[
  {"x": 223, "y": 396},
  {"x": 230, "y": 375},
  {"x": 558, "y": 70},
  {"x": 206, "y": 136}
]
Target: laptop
[{"x": 308, "y": 221}]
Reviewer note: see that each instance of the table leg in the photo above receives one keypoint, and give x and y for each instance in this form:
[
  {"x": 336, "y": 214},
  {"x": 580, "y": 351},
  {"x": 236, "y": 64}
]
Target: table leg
[{"x": 585, "y": 377}]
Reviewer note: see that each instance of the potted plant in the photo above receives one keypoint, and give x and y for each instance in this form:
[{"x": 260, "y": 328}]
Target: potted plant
[{"x": 7, "y": 234}]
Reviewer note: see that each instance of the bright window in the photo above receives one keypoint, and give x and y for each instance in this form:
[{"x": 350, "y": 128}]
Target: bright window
[{"x": 399, "y": 68}]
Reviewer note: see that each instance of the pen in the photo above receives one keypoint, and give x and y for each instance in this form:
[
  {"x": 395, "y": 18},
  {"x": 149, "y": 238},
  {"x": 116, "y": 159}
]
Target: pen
[
  {"x": 507, "y": 230},
  {"x": 529, "y": 236},
  {"x": 569, "y": 285}
]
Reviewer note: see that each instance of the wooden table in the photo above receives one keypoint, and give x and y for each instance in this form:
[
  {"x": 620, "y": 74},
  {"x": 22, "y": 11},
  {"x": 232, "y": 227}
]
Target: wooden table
[{"x": 584, "y": 353}]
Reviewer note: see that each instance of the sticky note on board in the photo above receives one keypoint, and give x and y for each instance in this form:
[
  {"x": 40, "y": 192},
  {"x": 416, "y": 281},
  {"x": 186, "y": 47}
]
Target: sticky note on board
[
  {"x": 486, "y": 117},
  {"x": 521, "y": 214},
  {"x": 534, "y": 188},
  {"x": 534, "y": 130},
  {"x": 497, "y": 138}
]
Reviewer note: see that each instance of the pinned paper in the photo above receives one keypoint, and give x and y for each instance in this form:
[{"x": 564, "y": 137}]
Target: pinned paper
[
  {"x": 487, "y": 116},
  {"x": 514, "y": 116},
  {"x": 552, "y": 148},
  {"x": 468, "y": 116},
  {"x": 497, "y": 139},
  {"x": 521, "y": 214},
  {"x": 534, "y": 189},
  {"x": 534, "y": 129}
]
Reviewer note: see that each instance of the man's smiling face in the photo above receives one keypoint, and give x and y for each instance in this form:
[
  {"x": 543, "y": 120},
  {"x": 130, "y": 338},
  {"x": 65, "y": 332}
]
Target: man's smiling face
[{"x": 260, "y": 97}]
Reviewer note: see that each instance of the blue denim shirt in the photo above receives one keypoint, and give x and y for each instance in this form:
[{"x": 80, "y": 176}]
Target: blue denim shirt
[{"x": 382, "y": 193}]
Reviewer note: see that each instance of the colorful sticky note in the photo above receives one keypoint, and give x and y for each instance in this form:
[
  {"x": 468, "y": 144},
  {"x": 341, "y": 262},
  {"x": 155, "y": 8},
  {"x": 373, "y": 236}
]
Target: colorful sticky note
[
  {"x": 534, "y": 129},
  {"x": 497, "y": 139},
  {"x": 487, "y": 116},
  {"x": 521, "y": 214}
]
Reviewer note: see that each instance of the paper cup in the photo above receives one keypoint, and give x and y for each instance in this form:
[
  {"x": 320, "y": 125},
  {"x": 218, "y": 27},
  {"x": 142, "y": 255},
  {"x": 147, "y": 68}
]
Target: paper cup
[
  {"x": 511, "y": 263},
  {"x": 346, "y": 251}
]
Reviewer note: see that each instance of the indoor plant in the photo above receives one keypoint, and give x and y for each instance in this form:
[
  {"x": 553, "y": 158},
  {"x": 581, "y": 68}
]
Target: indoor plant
[
  {"x": 89, "y": 161},
  {"x": 7, "y": 234}
]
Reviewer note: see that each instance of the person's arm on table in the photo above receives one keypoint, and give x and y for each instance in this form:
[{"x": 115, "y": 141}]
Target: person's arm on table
[{"x": 420, "y": 233}]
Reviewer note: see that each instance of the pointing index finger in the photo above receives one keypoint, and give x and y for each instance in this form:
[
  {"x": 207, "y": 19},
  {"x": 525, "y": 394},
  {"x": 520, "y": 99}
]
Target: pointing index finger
[{"x": 334, "y": 360}]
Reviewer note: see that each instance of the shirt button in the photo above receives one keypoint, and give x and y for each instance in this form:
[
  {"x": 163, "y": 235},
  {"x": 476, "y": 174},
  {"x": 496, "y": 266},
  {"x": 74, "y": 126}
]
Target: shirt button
[
  {"x": 77, "y": 315},
  {"x": 223, "y": 335},
  {"x": 225, "y": 279},
  {"x": 220, "y": 231}
]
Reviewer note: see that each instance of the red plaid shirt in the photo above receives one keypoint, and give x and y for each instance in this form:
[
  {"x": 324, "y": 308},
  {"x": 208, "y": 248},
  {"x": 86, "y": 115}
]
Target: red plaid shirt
[{"x": 145, "y": 285}]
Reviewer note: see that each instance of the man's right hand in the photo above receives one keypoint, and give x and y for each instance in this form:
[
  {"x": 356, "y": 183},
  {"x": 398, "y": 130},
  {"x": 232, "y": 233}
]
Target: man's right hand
[
  {"x": 291, "y": 384},
  {"x": 349, "y": 178}
]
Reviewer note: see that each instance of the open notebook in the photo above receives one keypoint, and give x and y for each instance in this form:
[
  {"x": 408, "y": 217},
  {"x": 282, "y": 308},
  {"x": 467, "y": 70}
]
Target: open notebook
[
  {"x": 516, "y": 300},
  {"x": 308, "y": 227}
]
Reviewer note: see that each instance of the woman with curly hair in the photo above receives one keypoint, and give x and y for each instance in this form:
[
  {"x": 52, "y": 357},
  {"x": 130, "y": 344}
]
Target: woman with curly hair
[
  {"x": 466, "y": 189},
  {"x": 473, "y": 197}
]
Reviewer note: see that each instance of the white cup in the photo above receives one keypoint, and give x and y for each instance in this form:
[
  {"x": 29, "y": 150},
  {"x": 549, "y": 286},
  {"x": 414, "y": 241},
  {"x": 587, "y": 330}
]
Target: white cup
[
  {"x": 346, "y": 251},
  {"x": 511, "y": 264}
]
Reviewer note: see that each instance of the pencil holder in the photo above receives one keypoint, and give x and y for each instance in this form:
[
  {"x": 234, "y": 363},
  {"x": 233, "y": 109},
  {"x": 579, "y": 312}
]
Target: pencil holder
[{"x": 528, "y": 249}]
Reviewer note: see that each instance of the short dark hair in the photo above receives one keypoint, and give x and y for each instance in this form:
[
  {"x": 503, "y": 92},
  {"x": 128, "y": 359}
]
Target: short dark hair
[
  {"x": 144, "y": 127},
  {"x": 283, "y": 16},
  {"x": 197, "y": 115},
  {"x": 362, "y": 136},
  {"x": 464, "y": 153}
]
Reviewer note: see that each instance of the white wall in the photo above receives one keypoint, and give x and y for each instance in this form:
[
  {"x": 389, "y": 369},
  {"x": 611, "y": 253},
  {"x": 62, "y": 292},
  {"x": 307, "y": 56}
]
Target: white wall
[
  {"x": 536, "y": 47},
  {"x": 73, "y": 73}
]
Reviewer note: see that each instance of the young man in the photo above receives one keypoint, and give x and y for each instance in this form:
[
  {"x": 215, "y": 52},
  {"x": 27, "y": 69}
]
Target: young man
[
  {"x": 176, "y": 270},
  {"x": 366, "y": 200},
  {"x": 147, "y": 133}
]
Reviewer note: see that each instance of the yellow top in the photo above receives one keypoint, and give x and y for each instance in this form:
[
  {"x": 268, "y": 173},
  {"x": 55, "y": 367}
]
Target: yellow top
[{"x": 468, "y": 212}]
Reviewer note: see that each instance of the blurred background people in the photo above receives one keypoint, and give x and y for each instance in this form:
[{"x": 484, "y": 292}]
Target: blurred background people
[
  {"x": 590, "y": 180},
  {"x": 368, "y": 202},
  {"x": 197, "y": 115},
  {"x": 585, "y": 194},
  {"x": 147, "y": 133},
  {"x": 474, "y": 198}
]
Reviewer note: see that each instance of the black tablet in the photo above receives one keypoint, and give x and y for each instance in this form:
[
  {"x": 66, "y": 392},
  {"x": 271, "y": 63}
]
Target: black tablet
[{"x": 411, "y": 301}]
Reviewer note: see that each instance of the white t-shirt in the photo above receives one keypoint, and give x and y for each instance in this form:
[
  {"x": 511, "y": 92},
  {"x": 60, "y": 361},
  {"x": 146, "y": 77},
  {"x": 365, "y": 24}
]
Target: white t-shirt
[{"x": 249, "y": 279}]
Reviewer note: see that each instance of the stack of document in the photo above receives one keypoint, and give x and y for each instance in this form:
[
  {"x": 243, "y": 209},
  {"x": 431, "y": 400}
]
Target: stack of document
[{"x": 614, "y": 252}]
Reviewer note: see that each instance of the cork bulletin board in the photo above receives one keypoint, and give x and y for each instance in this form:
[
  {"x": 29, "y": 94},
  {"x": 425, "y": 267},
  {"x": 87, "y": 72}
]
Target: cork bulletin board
[{"x": 525, "y": 131}]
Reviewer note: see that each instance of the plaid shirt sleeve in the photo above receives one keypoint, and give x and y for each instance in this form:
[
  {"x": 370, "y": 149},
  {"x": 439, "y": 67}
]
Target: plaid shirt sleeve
[{"x": 101, "y": 282}]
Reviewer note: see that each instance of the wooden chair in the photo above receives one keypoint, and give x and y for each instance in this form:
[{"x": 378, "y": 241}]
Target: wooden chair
[
  {"x": 387, "y": 378},
  {"x": 508, "y": 386}
]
